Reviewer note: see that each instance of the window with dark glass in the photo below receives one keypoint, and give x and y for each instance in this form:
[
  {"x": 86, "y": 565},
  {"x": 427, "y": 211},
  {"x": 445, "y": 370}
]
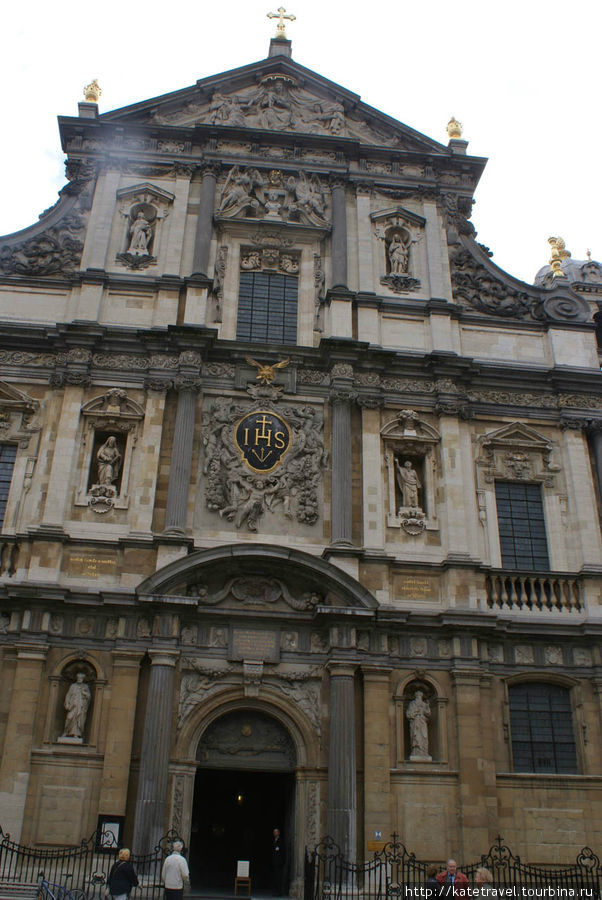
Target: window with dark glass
[
  {"x": 8, "y": 453},
  {"x": 267, "y": 308},
  {"x": 541, "y": 724},
  {"x": 522, "y": 526}
]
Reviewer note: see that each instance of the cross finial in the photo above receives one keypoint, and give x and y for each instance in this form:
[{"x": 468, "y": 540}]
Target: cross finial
[{"x": 281, "y": 15}]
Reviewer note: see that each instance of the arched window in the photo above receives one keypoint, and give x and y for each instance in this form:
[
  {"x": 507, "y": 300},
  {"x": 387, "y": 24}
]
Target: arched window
[{"x": 541, "y": 724}]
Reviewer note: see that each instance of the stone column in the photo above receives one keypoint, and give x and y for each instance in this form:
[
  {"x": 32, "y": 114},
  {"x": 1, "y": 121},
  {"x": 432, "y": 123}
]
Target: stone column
[
  {"x": 118, "y": 746},
  {"x": 151, "y": 799},
  {"x": 181, "y": 455},
  {"x": 57, "y": 507},
  {"x": 596, "y": 440},
  {"x": 15, "y": 768},
  {"x": 377, "y": 753},
  {"x": 341, "y": 508},
  {"x": 339, "y": 234},
  {"x": 204, "y": 224},
  {"x": 342, "y": 826},
  {"x": 475, "y": 723}
]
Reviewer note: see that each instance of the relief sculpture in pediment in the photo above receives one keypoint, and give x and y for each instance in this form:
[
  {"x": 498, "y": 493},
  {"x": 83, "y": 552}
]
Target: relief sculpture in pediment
[{"x": 279, "y": 104}]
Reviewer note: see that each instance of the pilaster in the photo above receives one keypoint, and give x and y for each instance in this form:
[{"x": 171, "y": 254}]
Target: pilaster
[
  {"x": 15, "y": 768},
  {"x": 377, "y": 753},
  {"x": 341, "y": 396},
  {"x": 187, "y": 385},
  {"x": 120, "y": 730}
]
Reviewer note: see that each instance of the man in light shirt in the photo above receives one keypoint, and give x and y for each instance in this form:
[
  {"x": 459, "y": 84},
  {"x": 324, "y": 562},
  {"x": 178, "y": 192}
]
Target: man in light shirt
[{"x": 174, "y": 873}]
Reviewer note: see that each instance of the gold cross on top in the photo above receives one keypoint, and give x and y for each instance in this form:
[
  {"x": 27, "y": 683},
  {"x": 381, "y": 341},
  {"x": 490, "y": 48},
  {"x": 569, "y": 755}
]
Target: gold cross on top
[{"x": 281, "y": 15}]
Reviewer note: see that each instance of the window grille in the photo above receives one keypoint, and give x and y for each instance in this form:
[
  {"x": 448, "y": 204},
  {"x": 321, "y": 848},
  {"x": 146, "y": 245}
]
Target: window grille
[
  {"x": 541, "y": 724},
  {"x": 267, "y": 308},
  {"x": 8, "y": 453},
  {"x": 522, "y": 526}
]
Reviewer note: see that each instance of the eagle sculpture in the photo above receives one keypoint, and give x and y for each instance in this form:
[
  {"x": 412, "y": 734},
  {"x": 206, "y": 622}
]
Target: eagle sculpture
[{"x": 266, "y": 374}]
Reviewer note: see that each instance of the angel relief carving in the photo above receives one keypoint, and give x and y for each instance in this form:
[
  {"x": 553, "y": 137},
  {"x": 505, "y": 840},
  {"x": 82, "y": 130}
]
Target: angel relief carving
[
  {"x": 254, "y": 194},
  {"x": 241, "y": 487}
]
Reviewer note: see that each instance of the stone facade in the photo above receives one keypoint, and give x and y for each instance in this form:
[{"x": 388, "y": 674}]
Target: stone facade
[{"x": 355, "y": 558}]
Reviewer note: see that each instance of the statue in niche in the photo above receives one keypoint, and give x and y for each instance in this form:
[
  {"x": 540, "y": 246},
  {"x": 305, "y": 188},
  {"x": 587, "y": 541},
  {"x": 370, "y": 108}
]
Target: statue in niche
[
  {"x": 409, "y": 484},
  {"x": 418, "y": 714},
  {"x": 109, "y": 461},
  {"x": 77, "y": 702},
  {"x": 399, "y": 254},
  {"x": 141, "y": 232}
]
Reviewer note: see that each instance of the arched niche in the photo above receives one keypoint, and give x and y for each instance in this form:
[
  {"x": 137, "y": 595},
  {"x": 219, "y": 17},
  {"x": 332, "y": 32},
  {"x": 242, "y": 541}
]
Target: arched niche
[
  {"x": 251, "y": 739},
  {"x": 71, "y": 672},
  {"x": 436, "y": 722}
]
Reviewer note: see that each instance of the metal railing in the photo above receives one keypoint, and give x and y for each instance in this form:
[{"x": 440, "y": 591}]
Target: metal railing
[
  {"x": 393, "y": 873},
  {"x": 85, "y": 867}
]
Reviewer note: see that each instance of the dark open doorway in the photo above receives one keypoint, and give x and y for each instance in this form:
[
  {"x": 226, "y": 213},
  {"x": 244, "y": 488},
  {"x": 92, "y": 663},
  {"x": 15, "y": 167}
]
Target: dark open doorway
[{"x": 233, "y": 816}]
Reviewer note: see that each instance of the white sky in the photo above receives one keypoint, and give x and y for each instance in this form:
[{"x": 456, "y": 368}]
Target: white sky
[{"x": 523, "y": 78}]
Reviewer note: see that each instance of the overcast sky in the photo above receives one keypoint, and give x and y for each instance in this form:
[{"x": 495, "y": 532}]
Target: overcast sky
[{"x": 523, "y": 78}]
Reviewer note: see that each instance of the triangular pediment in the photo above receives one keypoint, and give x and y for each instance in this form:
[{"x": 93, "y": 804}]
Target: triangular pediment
[
  {"x": 516, "y": 434},
  {"x": 276, "y": 95}
]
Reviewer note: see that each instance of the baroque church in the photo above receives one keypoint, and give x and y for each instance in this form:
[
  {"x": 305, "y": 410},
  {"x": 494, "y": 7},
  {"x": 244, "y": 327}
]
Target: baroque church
[{"x": 300, "y": 493}]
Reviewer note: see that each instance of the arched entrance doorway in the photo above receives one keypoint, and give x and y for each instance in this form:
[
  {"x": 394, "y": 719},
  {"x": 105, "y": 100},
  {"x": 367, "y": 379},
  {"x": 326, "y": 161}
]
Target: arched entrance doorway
[{"x": 244, "y": 788}]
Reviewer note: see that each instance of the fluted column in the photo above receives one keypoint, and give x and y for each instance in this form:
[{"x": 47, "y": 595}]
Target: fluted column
[
  {"x": 204, "y": 224},
  {"x": 341, "y": 819},
  {"x": 341, "y": 397},
  {"x": 187, "y": 385},
  {"x": 151, "y": 799},
  {"x": 339, "y": 234}
]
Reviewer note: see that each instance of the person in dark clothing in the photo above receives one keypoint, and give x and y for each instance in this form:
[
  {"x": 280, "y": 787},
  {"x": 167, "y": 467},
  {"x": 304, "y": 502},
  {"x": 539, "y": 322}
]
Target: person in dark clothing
[
  {"x": 432, "y": 884},
  {"x": 278, "y": 863},
  {"x": 122, "y": 877}
]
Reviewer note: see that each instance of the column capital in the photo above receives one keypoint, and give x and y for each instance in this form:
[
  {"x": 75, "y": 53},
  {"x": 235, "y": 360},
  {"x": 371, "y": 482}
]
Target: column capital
[
  {"x": 127, "y": 659},
  {"x": 375, "y": 673},
  {"x": 340, "y": 669},
  {"x": 465, "y": 677},
  {"x": 184, "y": 383},
  {"x": 164, "y": 657},
  {"x": 210, "y": 169},
  {"x": 32, "y": 651}
]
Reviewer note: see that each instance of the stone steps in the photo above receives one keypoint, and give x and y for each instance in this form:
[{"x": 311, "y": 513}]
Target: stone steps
[{"x": 11, "y": 891}]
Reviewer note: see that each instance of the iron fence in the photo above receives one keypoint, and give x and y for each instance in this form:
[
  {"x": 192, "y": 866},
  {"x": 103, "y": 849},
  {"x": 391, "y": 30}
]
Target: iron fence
[
  {"x": 393, "y": 873},
  {"x": 85, "y": 867}
]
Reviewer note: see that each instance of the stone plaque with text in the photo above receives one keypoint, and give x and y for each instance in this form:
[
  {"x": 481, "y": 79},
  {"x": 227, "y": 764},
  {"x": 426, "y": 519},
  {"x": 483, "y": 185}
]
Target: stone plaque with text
[
  {"x": 90, "y": 565},
  {"x": 253, "y": 644},
  {"x": 416, "y": 586}
]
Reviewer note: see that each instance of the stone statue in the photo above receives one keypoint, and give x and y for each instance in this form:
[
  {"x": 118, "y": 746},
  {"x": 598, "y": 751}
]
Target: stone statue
[
  {"x": 237, "y": 193},
  {"x": 418, "y": 714},
  {"x": 409, "y": 484},
  {"x": 399, "y": 255},
  {"x": 141, "y": 233},
  {"x": 76, "y": 704},
  {"x": 109, "y": 461}
]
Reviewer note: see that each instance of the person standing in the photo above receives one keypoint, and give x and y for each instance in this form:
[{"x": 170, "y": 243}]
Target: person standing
[
  {"x": 122, "y": 877},
  {"x": 453, "y": 883},
  {"x": 432, "y": 885},
  {"x": 174, "y": 873},
  {"x": 278, "y": 863}
]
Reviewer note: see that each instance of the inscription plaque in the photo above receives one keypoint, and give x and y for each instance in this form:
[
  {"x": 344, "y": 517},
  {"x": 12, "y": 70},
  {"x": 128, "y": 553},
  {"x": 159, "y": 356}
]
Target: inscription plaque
[
  {"x": 252, "y": 644},
  {"x": 417, "y": 587},
  {"x": 90, "y": 566}
]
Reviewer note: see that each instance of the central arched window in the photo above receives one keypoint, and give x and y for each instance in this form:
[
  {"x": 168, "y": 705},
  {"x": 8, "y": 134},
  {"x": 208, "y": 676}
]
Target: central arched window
[{"x": 541, "y": 723}]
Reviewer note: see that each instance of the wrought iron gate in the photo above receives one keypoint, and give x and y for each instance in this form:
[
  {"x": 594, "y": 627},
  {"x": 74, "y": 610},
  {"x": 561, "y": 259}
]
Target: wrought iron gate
[
  {"x": 85, "y": 867},
  {"x": 395, "y": 874}
]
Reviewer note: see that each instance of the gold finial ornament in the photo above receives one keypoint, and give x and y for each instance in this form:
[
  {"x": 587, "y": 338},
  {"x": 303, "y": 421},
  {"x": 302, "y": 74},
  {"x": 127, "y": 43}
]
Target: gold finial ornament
[
  {"x": 454, "y": 129},
  {"x": 589, "y": 255},
  {"x": 92, "y": 92},
  {"x": 281, "y": 15},
  {"x": 559, "y": 252},
  {"x": 266, "y": 374}
]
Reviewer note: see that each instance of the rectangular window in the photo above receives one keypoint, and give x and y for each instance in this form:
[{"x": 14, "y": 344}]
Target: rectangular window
[
  {"x": 541, "y": 723},
  {"x": 522, "y": 526},
  {"x": 267, "y": 308},
  {"x": 8, "y": 453}
]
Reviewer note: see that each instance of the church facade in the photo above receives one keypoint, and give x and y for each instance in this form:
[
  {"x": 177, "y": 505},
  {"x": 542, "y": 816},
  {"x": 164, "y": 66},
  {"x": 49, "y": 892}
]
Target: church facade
[{"x": 300, "y": 493}]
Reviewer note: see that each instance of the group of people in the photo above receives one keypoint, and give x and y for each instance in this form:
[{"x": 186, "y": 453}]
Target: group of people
[
  {"x": 174, "y": 874},
  {"x": 453, "y": 883}
]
